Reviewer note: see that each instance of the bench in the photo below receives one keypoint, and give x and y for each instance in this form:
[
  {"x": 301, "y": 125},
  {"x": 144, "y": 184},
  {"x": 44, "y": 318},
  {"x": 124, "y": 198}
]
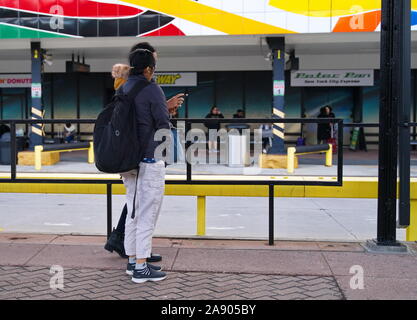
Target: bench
[
  {"x": 64, "y": 147},
  {"x": 300, "y": 150}
]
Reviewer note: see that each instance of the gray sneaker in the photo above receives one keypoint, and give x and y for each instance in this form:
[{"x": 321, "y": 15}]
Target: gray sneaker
[
  {"x": 131, "y": 267},
  {"x": 147, "y": 274}
]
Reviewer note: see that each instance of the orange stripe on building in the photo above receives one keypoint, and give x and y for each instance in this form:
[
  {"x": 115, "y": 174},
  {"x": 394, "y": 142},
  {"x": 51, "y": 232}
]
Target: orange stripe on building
[{"x": 365, "y": 22}]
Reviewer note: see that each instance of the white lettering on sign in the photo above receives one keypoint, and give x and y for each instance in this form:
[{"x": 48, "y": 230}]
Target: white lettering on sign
[
  {"x": 332, "y": 78},
  {"x": 56, "y": 22}
]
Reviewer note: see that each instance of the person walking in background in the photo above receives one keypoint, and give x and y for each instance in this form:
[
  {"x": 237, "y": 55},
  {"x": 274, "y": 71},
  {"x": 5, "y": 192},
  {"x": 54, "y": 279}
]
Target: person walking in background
[
  {"x": 324, "y": 130},
  {"x": 214, "y": 114}
]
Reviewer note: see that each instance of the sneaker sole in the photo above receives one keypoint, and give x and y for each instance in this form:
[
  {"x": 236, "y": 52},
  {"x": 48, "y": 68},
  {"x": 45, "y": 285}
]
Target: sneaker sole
[
  {"x": 130, "y": 273},
  {"x": 149, "y": 279}
]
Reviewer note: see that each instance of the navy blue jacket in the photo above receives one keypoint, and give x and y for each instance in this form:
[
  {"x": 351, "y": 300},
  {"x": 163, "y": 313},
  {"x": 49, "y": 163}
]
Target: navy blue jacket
[{"x": 151, "y": 113}]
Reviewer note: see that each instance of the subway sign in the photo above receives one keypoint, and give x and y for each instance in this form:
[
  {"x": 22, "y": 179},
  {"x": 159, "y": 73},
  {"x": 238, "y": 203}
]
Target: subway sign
[
  {"x": 332, "y": 78},
  {"x": 176, "y": 79}
]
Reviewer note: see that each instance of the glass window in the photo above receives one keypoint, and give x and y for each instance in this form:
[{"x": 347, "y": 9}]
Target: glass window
[
  {"x": 65, "y": 98},
  {"x": 229, "y": 92},
  {"x": 201, "y": 98},
  {"x": 91, "y": 98},
  {"x": 258, "y": 94}
]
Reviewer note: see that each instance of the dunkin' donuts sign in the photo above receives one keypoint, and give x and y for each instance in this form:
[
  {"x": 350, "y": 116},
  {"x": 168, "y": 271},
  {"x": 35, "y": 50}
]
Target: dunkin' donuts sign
[{"x": 15, "y": 80}]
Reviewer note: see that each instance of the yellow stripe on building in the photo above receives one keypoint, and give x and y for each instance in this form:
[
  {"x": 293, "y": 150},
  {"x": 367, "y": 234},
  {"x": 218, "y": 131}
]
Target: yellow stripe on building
[
  {"x": 213, "y": 18},
  {"x": 36, "y": 112},
  {"x": 37, "y": 131},
  {"x": 327, "y": 8},
  {"x": 278, "y": 133},
  {"x": 279, "y": 113}
]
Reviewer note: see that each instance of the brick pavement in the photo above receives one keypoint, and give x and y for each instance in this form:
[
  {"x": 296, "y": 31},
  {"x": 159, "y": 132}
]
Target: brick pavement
[
  {"x": 27, "y": 283},
  {"x": 204, "y": 269}
]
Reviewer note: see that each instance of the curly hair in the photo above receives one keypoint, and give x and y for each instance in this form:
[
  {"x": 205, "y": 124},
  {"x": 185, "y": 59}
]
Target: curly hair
[{"x": 120, "y": 71}]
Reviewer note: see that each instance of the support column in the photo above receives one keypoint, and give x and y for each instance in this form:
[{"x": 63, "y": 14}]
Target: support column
[
  {"x": 277, "y": 45},
  {"x": 404, "y": 104},
  {"x": 36, "y": 135},
  {"x": 276, "y": 156},
  {"x": 395, "y": 17}
]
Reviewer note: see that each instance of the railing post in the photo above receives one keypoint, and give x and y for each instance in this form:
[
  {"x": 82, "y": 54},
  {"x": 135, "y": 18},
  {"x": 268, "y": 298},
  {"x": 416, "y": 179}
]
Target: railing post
[
  {"x": 271, "y": 214},
  {"x": 290, "y": 159},
  {"x": 329, "y": 156},
  {"x": 201, "y": 215},
  {"x": 109, "y": 210},
  {"x": 91, "y": 153},
  {"x": 38, "y": 157},
  {"x": 411, "y": 233},
  {"x": 13, "y": 149}
]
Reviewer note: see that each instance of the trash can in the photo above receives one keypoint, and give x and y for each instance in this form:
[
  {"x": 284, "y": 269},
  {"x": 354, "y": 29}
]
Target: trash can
[
  {"x": 238, "y": 153},
  {"x": 5, "y": 152}
]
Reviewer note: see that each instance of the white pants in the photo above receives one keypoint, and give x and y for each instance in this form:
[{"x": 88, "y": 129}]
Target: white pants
[{"x": 149, "y": 195}]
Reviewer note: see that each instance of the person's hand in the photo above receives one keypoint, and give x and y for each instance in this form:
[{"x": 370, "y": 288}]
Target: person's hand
[{"x": 175, "y": 102}]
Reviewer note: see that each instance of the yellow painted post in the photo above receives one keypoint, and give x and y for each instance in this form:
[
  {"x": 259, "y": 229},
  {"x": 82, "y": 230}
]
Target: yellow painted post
[
  {"x": 91, "y": 153},
  {"x": 411, "y": 232},
  {"x": 290, "y": 159},
  {"x": 329, "y": 156},
  {"x": 38, "y": 157},
  {"x": 201, "y": 215}
]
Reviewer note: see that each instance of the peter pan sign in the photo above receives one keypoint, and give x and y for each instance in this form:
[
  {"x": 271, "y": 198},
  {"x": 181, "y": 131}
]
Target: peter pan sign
[{"x": 332, "y": 78}]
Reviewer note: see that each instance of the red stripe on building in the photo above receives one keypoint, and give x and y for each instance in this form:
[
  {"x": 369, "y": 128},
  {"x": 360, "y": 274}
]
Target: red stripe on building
[{"x": 168, "y": 30}]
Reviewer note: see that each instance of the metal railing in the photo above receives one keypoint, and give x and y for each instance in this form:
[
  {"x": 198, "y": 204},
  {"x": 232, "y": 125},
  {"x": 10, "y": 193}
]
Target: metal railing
[{"x": 189, "y": 177}]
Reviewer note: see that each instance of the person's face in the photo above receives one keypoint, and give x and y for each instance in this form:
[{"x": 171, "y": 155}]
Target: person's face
[
  {"x": 215, "y": 111},
  {"x": 327, "y": 110}
]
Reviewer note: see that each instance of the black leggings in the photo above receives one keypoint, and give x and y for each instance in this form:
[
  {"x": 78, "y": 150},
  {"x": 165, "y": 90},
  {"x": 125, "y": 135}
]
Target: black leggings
[{"x": 122, "y": 221}]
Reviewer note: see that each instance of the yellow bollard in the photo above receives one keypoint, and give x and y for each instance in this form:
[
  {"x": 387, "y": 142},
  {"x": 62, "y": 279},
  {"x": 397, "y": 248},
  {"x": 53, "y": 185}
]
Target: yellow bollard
[
  {"x": 201, "y": 215},
  {"x": 38, "y": 157},
  {"x": 91, "y": 153},
  {"x": 290, "y": 159},
  {"x": 411, "y": 232},
  {"x": 329, "y": 156}
]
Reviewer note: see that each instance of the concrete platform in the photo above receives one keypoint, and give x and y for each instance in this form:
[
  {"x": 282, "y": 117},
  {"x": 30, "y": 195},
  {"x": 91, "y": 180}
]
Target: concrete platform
[{"x": 204, "y": 269}]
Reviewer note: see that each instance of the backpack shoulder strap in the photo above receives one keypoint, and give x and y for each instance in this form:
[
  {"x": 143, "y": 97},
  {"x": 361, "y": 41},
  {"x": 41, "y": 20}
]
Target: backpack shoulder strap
[{"x": 137, "y": 88}]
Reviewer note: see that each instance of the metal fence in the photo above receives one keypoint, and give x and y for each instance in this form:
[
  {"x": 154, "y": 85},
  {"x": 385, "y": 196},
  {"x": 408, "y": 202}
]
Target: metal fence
[{"x": 189, "y": 177}]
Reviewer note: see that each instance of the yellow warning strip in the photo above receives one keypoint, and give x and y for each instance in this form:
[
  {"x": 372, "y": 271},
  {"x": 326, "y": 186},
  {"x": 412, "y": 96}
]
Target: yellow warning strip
[
  {"x": 350, "y": 189},
  {"x": 204, "y": 15}
]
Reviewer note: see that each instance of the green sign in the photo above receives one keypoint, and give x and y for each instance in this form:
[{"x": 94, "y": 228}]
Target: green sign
[{"x": 354, "y": 138}]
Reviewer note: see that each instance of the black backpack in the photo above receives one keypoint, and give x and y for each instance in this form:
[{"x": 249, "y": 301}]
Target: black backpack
[{"x": 116, "y": 144}]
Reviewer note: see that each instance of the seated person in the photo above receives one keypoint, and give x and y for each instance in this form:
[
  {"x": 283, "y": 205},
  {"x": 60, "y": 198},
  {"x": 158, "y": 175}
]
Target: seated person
[
  {"x": 239, "y": 114},
  {"x": 4, "y": 133},
  {"x": 69, "y": 132}
]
